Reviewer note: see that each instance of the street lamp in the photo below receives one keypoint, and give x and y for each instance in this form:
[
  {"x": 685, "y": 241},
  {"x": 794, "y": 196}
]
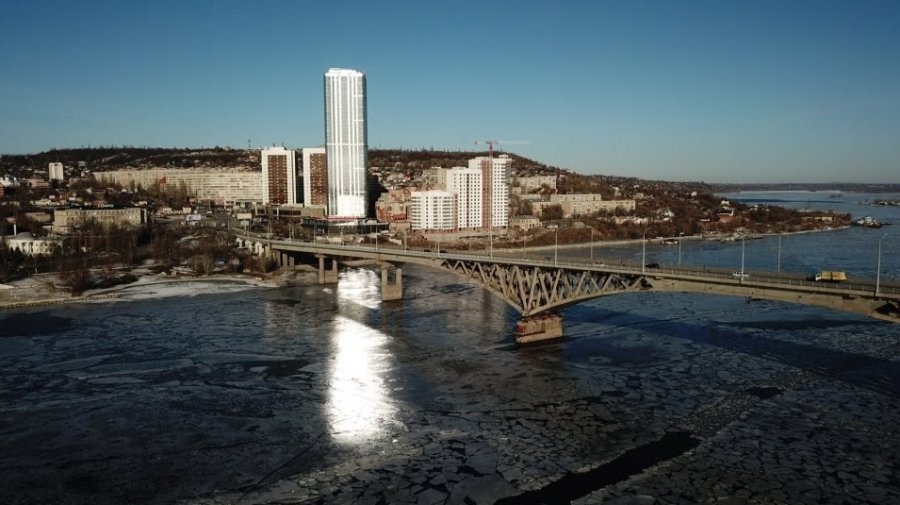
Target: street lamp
[
  {"x": 680, "y": 238},
  {"x": 555, "y": 245},
  {"x": 743, "y": 241},
  {"x": 491, "y": 237},
  {"x": 878, "y": 266},
  {"x": 592, "y": 244}
]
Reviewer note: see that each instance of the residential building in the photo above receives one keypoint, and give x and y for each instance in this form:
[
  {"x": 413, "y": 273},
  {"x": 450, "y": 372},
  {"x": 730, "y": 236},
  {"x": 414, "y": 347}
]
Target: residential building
[
  {"x": 315, "y": 177},
  {"x": 222, "y": 186},
  {"x": 467, "y": 184},
  {"x": 532, "y": 183},
  {"x": 495, "y": 189},
  {"x": 64, "y": 220},
  {"x": 588, "y": 203},
  {"x": 279, "y": 176},
  {"x": 346, "y": 142},
  {"x": 56, "y": 171},
  {"x": 432, "y": 210}
]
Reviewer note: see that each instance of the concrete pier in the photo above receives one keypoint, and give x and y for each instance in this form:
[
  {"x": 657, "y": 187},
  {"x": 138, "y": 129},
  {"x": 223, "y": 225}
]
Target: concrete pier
[
  {"x": 329, "y": 275},
  {"x": 538, "y": 328},
  {"x": 391, "y": 283}
]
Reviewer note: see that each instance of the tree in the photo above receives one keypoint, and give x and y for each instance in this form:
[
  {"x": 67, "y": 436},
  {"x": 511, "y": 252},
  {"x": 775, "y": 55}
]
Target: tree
[{"x": 552, "y": 213}]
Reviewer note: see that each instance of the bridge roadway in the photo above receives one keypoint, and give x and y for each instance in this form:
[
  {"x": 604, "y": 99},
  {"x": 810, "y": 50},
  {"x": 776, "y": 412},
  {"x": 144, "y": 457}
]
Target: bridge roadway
[{"x": 539, "y": 287}]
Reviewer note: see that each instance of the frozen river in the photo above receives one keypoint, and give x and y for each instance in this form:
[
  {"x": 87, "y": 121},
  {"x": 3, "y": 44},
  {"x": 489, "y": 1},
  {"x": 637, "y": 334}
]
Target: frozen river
[{"x": 224, "y": 394}]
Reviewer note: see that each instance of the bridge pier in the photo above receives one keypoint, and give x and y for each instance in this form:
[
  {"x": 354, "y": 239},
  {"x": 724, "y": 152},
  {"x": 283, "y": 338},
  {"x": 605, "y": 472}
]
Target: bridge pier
[
  {"x": 539, "y": 327},
  {"x": 327, "y": 276},
  {"x": 285, "y": 260},
  {"x": 391, "y": 283}
]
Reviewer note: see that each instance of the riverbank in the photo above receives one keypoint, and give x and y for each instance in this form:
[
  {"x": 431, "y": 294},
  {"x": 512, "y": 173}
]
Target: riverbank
[{"x": 34, "y": 292}]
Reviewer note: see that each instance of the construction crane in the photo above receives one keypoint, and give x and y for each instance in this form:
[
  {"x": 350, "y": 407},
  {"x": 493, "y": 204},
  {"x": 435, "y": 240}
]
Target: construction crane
[{"x": 492, "y": 143}]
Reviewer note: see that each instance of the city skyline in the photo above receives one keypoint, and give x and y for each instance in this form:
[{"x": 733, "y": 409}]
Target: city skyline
[{"x": 713, "y": 91}]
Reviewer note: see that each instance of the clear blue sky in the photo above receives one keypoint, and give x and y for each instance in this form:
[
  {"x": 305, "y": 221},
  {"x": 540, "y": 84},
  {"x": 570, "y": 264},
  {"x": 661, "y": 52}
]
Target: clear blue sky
[{"x": 721, "y": 91}]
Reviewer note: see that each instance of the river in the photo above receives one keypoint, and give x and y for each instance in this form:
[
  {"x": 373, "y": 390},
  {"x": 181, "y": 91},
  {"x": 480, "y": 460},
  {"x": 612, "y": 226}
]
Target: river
[{"x": 224, "y": 394}]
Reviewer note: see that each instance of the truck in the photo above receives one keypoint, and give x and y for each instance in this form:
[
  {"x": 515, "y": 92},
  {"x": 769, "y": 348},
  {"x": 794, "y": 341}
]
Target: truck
[{"x": 830, "y": 276}]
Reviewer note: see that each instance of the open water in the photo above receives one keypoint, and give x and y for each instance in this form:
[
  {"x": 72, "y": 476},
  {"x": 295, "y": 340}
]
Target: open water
[{"x": 328, "y": 395}]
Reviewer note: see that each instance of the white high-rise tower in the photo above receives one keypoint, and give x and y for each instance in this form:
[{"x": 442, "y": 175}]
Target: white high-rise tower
[{"x": 346, "y": 142}]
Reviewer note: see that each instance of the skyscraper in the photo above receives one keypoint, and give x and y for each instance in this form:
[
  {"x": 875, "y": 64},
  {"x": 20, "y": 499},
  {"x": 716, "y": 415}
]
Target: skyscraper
[
  {"x": 346, "y": 142},
  {"x": 279, "y": 176}
]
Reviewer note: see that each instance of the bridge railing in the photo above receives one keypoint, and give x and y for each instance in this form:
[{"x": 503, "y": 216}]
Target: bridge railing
[{"x": 724, "y": 276}]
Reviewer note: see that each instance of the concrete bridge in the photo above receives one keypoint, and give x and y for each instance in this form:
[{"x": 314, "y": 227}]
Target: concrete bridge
[{"x": 538, "y": 288}]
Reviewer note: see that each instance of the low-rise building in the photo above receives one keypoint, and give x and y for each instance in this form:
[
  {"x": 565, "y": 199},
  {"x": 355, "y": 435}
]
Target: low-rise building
[
  {"x": 535, "y": 182},
  {"x": 393, "y": 206},
  {"x": 29, "y": 245},
  {"x": 64, "y": 220},
  {"x": 524, "y": 222},
  {"x": 589, "y": 203}
]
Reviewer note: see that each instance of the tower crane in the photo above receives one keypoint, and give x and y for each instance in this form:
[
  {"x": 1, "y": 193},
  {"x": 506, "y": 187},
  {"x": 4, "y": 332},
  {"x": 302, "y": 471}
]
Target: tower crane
[{"x": 492, "y": 143}]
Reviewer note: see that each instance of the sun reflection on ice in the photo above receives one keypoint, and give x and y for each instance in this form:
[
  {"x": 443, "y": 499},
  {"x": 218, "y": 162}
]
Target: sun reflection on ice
[{"x": 358, "y": 404}]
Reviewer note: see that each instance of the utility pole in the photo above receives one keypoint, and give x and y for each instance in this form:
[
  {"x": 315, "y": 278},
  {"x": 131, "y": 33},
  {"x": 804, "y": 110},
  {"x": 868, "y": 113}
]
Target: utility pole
[
  {"x": 743, "y": 240},
  {"x": 878, "y": 267},
  {"x": 778, "y": 265},
  {"x": 644, "y": 253}
]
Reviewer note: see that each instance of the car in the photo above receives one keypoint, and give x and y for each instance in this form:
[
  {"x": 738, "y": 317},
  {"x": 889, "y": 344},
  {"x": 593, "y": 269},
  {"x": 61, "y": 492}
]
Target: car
[
  {"x": 651, "y": 265},
  {"x": 740, "y": 275}
]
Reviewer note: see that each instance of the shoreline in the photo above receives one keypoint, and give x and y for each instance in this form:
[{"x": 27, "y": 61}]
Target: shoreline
[
  {"x": 271, "y": 281},
  {"x": 143, "y": 282},
  {"x": 655, "y": 240}
]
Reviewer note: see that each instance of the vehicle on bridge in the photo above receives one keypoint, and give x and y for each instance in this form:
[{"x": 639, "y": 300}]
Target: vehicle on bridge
[
  {"x": 830, "y": 276},
  {"x": 740, "y": 275}
]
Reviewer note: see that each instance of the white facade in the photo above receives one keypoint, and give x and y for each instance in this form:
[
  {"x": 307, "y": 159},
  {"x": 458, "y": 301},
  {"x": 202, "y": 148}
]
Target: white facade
[
  {"x": 29, "y": 245},
  {"x": 224, "y": 186},
  {"x": 56, "y": 171},
  {"x": 346, "y": 142},
  {"x": 495, "y": 170},
  {"x": 432, "y": 210},
  {"x": 279, "y": 176},
  {"x": 536, "y": 181},
  {"x": 468, "y": 185}
]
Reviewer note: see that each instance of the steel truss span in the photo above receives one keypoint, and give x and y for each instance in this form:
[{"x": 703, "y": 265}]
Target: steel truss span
[{"x": 535, "y": 289}]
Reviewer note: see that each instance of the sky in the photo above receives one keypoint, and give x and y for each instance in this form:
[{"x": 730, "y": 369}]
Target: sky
[{"x": 715, "y": 91}]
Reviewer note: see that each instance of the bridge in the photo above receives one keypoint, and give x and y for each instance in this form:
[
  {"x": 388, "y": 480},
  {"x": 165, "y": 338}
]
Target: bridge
[{"x": 539, "y": 288}]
